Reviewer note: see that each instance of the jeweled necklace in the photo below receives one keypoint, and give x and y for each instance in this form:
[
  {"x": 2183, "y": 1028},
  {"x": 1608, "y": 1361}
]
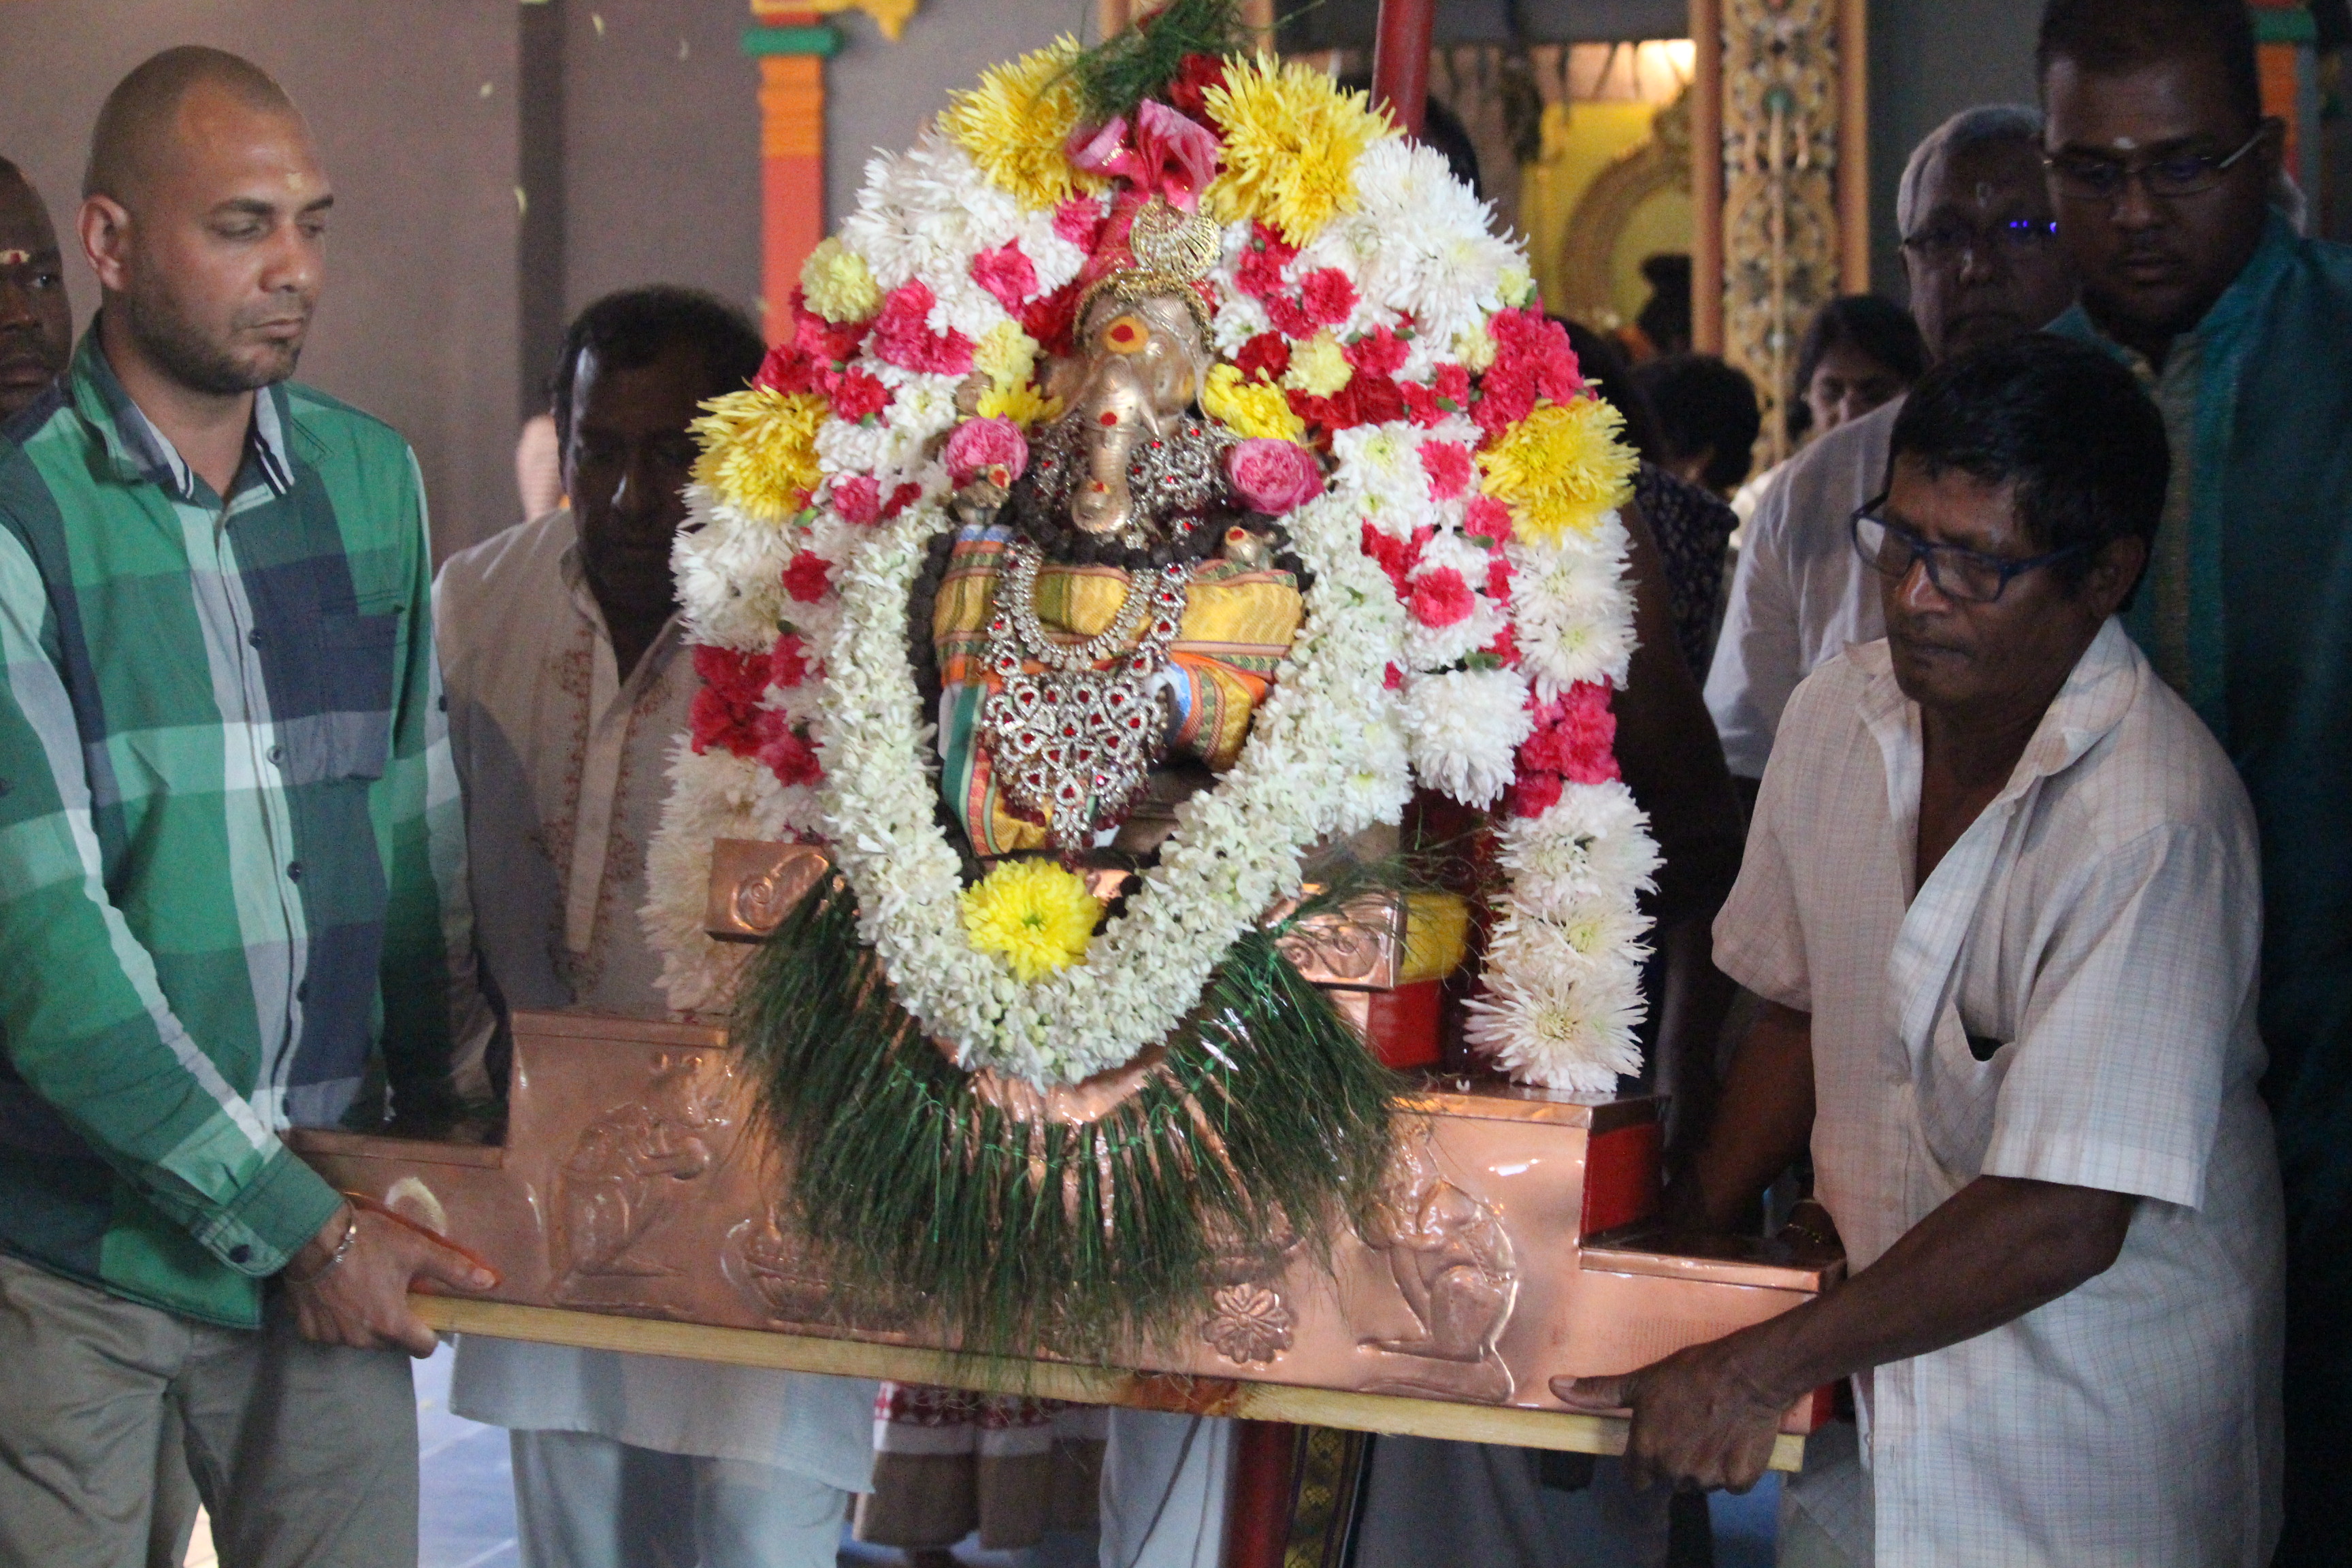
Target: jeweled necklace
[{"x": 1073, "y": 743}]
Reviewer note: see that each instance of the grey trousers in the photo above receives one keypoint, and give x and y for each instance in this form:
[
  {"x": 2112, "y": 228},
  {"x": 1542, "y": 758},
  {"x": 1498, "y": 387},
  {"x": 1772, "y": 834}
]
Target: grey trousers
[
  {"x": 586, "y": 1502},
  {"x": 305, "y": 1454}
]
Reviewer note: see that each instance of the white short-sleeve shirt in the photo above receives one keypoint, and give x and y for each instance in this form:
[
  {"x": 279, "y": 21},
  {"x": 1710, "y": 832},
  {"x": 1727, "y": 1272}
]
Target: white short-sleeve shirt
[{"x": 2069, "y": 998}]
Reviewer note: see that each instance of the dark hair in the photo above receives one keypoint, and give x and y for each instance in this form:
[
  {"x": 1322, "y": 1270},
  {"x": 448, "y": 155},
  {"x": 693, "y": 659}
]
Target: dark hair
[
  {"x": 1703, "y": 402},
  {"x": 1665, "y": 317},
  {"x": 2064, "y": 422},
  {"x": 2104, "y": 37},
  {"x": 634, "y": 327},
  {"x": 1604, "y": 364},
  {"x": 1880, "y": 329}
]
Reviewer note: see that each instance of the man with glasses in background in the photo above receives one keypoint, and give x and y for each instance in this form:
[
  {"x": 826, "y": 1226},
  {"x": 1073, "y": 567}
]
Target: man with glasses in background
[
  {"x": 2000, "y": 898},
  {"x": 2164, "y": 169},
  {"x": 1980, "y": 251}
]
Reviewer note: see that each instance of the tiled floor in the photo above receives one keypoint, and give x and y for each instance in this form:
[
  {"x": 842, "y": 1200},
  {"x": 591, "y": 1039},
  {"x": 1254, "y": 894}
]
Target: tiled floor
[{"x": 467, "y": 1513}]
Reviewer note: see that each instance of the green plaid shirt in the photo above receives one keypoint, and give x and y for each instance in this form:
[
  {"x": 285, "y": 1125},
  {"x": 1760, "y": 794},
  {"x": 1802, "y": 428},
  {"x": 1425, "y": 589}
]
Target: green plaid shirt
[{"x": 231, "y": 854}]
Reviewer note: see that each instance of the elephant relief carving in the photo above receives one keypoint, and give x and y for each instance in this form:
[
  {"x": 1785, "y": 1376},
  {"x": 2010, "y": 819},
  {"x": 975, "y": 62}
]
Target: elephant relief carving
[
  {"x": 1453, "y": 1263},
  {"x": 628, "y": 1168}
]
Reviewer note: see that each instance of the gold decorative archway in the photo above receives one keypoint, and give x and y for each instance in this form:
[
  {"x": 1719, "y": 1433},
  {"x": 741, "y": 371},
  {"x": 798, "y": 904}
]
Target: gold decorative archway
[{"x": 1607, "y": 207}]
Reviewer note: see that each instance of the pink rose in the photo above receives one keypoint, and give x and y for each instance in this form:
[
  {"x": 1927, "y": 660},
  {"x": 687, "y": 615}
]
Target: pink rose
[
  {"x": 990, "y": 448},
  {"x": 1273, "y": 477}
]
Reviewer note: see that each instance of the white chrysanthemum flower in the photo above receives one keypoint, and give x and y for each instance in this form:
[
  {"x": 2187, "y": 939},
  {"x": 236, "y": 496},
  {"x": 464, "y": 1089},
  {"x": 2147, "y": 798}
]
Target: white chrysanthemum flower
[
  {"x": 1465, "y": 727},
  {"x": 1593, "y": 838},
  {"x": 1574, "y": 611},
  {"x": 1566, "y": 1025}
]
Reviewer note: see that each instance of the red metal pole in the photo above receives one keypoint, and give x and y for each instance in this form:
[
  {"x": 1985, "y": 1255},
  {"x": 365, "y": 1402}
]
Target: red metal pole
[
  {"x": 1401, "y": 59},
  {"x": 1257, "y": 1509}
]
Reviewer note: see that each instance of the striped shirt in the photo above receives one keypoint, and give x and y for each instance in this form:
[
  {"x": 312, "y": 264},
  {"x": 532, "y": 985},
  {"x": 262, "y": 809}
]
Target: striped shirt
[{"x": 231, "y": 857}]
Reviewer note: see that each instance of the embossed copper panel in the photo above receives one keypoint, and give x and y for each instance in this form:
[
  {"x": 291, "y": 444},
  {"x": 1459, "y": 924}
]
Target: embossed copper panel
[
  {"x": 635, "y": 1182},
  {"x": 754, "y": 885}
]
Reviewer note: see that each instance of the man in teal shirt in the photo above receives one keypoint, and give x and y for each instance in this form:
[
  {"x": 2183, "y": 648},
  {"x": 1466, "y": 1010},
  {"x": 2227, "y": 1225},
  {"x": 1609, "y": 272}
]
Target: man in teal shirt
[
  {"x": 231, "y": 873},
  {"x": 2164, "y": 169}
]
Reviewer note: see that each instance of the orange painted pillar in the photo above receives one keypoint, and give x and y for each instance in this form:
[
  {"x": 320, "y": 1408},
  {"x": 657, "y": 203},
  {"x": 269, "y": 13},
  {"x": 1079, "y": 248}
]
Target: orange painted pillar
[
  {"x": 791, "y": 46},
  {"x": 2284, "y": 32}
]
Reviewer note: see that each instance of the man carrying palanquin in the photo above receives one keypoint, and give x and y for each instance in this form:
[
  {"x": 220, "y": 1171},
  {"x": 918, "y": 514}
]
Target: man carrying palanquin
[
  {"x": 2000, "y": 898},
  {"x": 2165, "y": 171}
]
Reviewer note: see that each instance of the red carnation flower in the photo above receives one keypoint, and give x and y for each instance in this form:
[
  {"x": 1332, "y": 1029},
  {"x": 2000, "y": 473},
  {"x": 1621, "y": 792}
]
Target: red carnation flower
[
  {"x": 1447, "y": 464},
  {"x": 1392, "y": 678},
  {"x": 903, "y": 336},
  {"x": 1196, "y": 75},
  {"x": 1290, "y": 317},
  {"x": 1499, "y": 571},
  {"x": 1534, "y": 793},
  {"x": 788, "y": 661},
  {"x": 857, "y": 498},
  {"x": 1489, "y": 518},
  {"x": 1005, "y": 273},
  {"x": 1080, "y": 221},
  {"x": 786, "y": 751},
  {"x": 1441, "y": 598},
  {"x": 725, "y": 713},
  {"x": 1047, "y": 318},
  {"x": 1266, "y": 355},
  {"x": 907, "y": 493},
  {"x": 1329, "y": 296},
  {"x": 1395, "y": 556},
  {"x": 1378, "y": 352},
  {"x": 856, "y": 394},
  {"x": 808, "y": 577}
]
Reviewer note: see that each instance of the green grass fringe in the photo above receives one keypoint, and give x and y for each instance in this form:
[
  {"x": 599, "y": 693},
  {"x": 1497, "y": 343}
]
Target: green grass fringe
[
  {"x": 1124, "y": 70},
  {"x": 928, "y": 1204}
]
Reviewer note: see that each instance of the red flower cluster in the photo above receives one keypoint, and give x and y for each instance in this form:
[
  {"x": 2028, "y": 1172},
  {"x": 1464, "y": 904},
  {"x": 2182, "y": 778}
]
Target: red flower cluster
[
  {"x": 1365, "y": 400},
  {"x": 1325, "y": 299},
  {"x": 1487, "y": 519},
  {"x": 1377, "y": 353},
  {"x": 807, "y": 577},
  {"x": 1441, "y": 598},
  {"x": 727, "y": 712},
  {"x": 858, "y": 395},
  {"x": 1447, "y": 464},
  {"x": 1449, "y": 393},
  {"x": 903, "y": 336},
  {"x": 858, "y": 498},
  {"x": 1574, "y": 742},
  {"x": 1533, "y": 362},
  {"x": 1196, "y": 75},
  {"x": 812, "y": 358},
  {"x": 1080, "y": 221},
  {"x": 1266, "y": 357},
  {"x": 1049, "y": 317},
  {"x": 1262, "y": 265},
  {"x": 1395, "y": 556},
  {"x": 1006, "y": 273}
]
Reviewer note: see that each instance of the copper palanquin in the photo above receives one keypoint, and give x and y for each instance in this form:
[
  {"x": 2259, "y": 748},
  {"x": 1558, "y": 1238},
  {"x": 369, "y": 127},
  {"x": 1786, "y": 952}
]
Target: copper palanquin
[{"x": 1506, "y": 1247}]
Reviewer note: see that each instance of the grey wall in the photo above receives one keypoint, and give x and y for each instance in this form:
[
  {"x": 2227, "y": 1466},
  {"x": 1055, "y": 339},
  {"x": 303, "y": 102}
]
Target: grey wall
[
  {"x": 879, "y": 93},
  {"x": 418, "y": 321},
  {"x": 1928, "y": 59}
]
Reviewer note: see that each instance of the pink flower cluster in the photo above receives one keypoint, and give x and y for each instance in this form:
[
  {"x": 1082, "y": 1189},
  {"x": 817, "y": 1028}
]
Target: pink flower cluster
[
  {"x": 1533, "y": 362},
  {"x": 729, "y": 711},
  {"x": 993, "y": 450},
  {"x": 1163, "y": 153},
  {"x": 903, "y": 336}
]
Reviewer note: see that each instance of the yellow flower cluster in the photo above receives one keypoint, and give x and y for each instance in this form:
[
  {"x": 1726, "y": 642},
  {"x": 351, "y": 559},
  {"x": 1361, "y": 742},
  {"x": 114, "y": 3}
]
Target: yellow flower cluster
[
  {"x": 1561, "y": 467},
  {"x": 759, "y": 449},
  {"x": 1252, "y": 407},
  {"x": 1318, "y": 367},
  {"x": 1008, "y": 357},
  {"x": 1291, "y": 141},
  {"x": 837, "y": 284},
  {"x": 1016, "y": 121},
  {"x": 1034, "y": 914}
]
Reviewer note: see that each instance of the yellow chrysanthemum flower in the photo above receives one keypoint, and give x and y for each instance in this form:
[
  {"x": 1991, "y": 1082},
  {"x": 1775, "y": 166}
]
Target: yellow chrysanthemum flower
[
  {"x": 1034, "y": 914},
  {"x": 759, "y": 449},
  {"x": 1016, "y": 121},
  {"x": 1022, "y": 403},
  {"x": 1292, "y": 138},
  {"x": 1561, "y": 467},
  {"x": 1251, "y": 408},
  {"x": 1318, "y": 367},
  {"x": 1518, "y": 287},
  {"x": 837, "y": 284}
]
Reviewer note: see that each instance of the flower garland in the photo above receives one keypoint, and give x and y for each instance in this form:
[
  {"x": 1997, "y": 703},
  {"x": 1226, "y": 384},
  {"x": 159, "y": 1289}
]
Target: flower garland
[{"x": 1469, "y": 621}]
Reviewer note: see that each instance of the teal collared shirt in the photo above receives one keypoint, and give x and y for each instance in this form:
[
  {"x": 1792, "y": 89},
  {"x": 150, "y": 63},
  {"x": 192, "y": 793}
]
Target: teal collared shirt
[
  {"x": 231, "y": 854},
  {"x": 2268, "y": 633}
]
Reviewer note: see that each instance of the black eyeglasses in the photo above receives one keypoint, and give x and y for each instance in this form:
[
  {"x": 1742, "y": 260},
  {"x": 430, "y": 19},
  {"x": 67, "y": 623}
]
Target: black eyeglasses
[
  {"x": 1957, "y": 572},
  {"x": 1945, "y": 242},
  {"x": 2092, "y": 177}
]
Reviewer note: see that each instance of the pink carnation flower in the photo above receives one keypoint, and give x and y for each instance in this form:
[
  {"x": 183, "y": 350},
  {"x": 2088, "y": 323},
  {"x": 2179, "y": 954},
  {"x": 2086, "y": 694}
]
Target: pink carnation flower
[
  {"x": 1440, "y": 598},
  {"x": 992, "y": 448},
  {"x": 1447, "y": 464},
  {"x": 903, "y": 336},
  {"x": 1007, "y": 274}
]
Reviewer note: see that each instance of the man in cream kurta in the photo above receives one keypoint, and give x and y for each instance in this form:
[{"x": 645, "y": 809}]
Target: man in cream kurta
[
  {"x": 564, "y": 767},
  {"x": 2097, "y": 926},
  {"x": 563, "y": 746},
  {"x": 2000, "y": 898}
]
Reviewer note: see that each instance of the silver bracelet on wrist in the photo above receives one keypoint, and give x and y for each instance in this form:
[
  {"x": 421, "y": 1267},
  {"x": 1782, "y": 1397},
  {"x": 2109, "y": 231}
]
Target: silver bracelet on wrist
[{"x": 342, "y": 1250}]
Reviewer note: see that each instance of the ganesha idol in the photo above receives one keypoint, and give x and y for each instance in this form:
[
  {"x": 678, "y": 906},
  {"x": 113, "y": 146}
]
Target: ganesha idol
[
  {"x": 1101, "y": 637},
  {"x": 1165, "y": 506}
]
